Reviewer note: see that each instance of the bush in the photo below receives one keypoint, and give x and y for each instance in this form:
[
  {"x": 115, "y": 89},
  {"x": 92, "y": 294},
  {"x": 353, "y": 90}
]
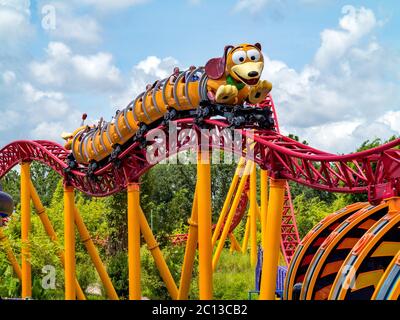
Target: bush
[
  {"x": 152, "y": 284},
  {"x": 234, "y": 276},
  {"x": 118, "y": 272},
  {"x": 310, "y": 212}
]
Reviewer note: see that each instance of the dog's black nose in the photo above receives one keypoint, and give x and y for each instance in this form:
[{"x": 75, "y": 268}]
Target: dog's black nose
[{"x": 253, "y": 74}]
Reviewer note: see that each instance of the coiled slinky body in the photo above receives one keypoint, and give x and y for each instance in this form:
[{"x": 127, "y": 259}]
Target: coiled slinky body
[{"x": 232, "y": 79}]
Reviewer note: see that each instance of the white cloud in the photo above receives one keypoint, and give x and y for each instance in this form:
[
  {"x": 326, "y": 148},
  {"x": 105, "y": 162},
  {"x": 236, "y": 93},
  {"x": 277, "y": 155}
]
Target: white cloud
[
  {"x": 97, "y": 67},
  {"x": 334, "y": 106},
  {"x": 26, "y": 110},
  {"x": 8, "y": 77},
  {"x": 315, "y": 2},
  {"x": 355, "y": 24},
  {"x": 105, "y": 5},
  {"x": 52, "y": 117},
  {"x": 144, "y": 72},
  {"x": 14, "y": 21},
  {"x": 337, "y": 101},
  {"x": 7, "y": 119},
  {"x": 391, "y": 119},
  {"x": 332, "y": 137},
  {"x": 43, "y": 104},
  {"x": 156, "y": 67},
  {"x": 56, "y": 114},
  {"x": 251, "y": 5},
  {"x": 48, "y": 131},
  {"x": 33, "y": 95},
  {"x": 54, "y": 92},
  {"x": 373, "y": 130},
  {"x": 76, "y": 21},
  {"x": 64, "y": 69},
  {"x": 70, "y": 26},
  {"x": 20, "y": 5},
  {"x": 343, "y": 136},
  {"x": 348, "y": 92}
]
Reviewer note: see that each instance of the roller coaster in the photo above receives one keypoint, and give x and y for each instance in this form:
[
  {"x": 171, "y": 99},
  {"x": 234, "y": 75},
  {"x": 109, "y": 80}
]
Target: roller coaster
[{"x": 351, "y": 254}]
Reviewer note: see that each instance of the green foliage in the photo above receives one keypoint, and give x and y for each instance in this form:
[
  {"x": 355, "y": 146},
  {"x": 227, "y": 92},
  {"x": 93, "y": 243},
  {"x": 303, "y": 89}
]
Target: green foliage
[
  {"x": 312, "y": 205},
  {"x": 222, "y": 175},
  {"x": 296, "y": 138},
  {"x": 366, "y": 145},
  {"x": 166, "y": 197},
  {"x": 234, "y": 276},
  {"x": 11, "y": 184},
  {"x": 152, "y": 284},
  {"x": 167, "y": 193},
  {"x": 310, "y": 211},
  {"x": 45, "y": 181},
  {"x": 118, "y": 272},
  {"x": 10, "y": 286},
  {"x": 308, "y": 193},
  {"x": 45, "y": 252},
  {"x": 115, "y": 215}
]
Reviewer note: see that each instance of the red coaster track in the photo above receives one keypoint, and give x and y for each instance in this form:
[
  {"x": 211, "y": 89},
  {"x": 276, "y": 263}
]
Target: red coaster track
[
  {"x": 375, "y": 171},
  {"x": 289, "y": 233}
]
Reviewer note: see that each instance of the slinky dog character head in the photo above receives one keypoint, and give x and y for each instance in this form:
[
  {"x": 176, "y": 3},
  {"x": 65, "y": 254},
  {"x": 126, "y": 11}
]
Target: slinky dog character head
[{"x": 244, "y": 63}]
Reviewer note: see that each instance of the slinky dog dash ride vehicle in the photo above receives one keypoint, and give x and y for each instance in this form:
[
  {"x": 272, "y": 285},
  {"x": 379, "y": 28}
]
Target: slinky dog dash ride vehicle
[{"x": 228, "y": 86}]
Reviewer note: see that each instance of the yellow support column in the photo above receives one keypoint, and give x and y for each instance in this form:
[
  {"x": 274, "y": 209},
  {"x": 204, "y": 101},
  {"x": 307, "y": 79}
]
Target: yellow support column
[
  {"x": 264, "y": 202},
  {"x": 235, "y": 246},
  {"x": 246, "y": 233},
  {"x": 10, "y": 254},
  {"x": 228, "y": 200},
  {"x": 25, "y": 230},
  {"x": 205, "y": 225},
  {"x": 94, "y": 255},
  {"x": 134, "y": 241},
  {"x": 253, "y": 215},
  {"x": 190, "y": 252},
  {"x": 69, "y": 242},
  {"x": 272, "y": 237},
  {"x": 41, "y": 212},
  {"x": 231, "y": 214},
  {"x": 158, "y": 256}
]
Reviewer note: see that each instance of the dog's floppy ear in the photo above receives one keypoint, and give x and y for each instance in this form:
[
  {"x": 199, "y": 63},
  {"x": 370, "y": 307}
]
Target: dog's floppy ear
[
  {"x": 215, "y": 68},
  {"x": 258, "y": 46}
]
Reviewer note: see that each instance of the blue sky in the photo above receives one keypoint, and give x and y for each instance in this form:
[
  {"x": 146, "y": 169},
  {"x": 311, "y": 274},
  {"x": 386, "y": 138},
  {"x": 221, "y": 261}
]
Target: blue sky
[{"x": 335, "y": 65}]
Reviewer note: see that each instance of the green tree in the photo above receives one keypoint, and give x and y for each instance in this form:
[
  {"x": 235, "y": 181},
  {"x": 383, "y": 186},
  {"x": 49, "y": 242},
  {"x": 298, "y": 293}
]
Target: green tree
[
  {"x": 11, "y": 184},
  {"x": 116, "y": 215},
  {"x": 45, "y": 181},
  {"x": 366, "y": 145},
  {"x": 310, "y": 212},
  {"x": 296, "y": 138}
]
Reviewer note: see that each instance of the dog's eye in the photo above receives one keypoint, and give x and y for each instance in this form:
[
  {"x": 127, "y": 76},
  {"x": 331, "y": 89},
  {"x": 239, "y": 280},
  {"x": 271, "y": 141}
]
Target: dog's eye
[
  {"x": 254, "y": 55},
  {"x": 239, "y": 57}
]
